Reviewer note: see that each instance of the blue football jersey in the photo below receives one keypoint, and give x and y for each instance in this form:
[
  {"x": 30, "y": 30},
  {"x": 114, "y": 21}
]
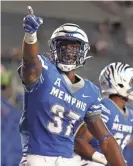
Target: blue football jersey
[
  {"x": 119, "y": 123},
  {"x": 128, "y": 155},
  {"x": 53, "y": 110}
]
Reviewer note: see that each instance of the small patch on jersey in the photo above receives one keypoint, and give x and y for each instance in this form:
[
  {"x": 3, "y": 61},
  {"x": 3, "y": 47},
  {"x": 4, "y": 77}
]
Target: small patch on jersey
[
  {"x": 58, "y": 82},
  {"x": 116, "y": 119}
]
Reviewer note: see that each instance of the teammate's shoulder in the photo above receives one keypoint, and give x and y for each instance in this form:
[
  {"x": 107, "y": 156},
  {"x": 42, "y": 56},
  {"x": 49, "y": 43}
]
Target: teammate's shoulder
[
  {"x": 108, "y": 103},
  {"x": 107, "y": 107}
]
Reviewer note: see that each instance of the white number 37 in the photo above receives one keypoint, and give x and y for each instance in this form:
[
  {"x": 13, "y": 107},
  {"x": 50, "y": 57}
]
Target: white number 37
[{"x": 58, "y": 115}]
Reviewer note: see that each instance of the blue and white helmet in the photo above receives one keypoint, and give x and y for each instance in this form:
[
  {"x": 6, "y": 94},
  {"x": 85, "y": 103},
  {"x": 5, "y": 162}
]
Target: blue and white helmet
[
  {"x": 117, "y": 78},
  {"x": 69, "y": 32}
]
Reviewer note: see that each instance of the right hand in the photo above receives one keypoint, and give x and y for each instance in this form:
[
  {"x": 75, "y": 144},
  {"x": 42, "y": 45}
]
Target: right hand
[{"x": 31, "y": 23}]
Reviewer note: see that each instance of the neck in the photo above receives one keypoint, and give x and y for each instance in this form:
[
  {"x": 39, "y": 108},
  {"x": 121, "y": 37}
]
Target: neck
[
  {"x": 118, "y": 101},
  {"x": 71, "y": 76}
]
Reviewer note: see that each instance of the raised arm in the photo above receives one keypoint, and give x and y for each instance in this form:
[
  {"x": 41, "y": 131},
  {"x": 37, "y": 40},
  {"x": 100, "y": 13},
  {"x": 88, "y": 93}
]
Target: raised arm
[{"x": 31, "y": 66}]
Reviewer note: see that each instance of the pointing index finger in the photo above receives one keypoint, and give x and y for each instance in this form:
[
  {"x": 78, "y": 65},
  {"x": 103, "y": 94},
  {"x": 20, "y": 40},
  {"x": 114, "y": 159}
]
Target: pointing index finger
[{"x": 30, "y": 10}]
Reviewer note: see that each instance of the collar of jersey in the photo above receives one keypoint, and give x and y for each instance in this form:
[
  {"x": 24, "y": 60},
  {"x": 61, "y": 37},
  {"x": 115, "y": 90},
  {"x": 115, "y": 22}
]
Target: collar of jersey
[{"x": 76, "y": 86}]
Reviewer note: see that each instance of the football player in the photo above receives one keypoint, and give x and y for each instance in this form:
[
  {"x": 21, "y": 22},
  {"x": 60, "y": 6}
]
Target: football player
[
  {"x": 56, "y": 98},
  {"x": 116, "y": 82}
]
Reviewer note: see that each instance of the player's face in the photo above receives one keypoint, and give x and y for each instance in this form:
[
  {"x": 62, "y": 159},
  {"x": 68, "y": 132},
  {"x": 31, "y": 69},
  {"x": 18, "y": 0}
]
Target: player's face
[{"x": 68, "y": 51}]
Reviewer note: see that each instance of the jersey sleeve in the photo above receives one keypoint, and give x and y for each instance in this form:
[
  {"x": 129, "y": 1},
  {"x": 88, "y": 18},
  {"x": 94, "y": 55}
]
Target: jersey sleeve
[
  {"x": 105, "y": 115},
  {"x": 77, "y": 125},
  {"x": 45, "y": 67},
  {"x": 96, "y": 110}
]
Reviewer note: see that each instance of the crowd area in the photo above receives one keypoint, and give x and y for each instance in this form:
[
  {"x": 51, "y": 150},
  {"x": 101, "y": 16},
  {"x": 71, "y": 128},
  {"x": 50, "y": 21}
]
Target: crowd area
[
  {"x": 108, "y": 38},
  {"x": 115, "y": 31}
]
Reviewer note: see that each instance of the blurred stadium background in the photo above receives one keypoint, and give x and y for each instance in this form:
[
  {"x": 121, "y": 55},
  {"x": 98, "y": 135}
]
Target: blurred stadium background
[{"x": 109, "y": 26}]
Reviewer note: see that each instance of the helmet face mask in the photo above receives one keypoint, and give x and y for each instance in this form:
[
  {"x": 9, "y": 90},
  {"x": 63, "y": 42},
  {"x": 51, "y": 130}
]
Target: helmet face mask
[
  {"x": 117, "y": 78},
  {"x": 69, "y": 46},
  {"x": 68, "y": 51}
]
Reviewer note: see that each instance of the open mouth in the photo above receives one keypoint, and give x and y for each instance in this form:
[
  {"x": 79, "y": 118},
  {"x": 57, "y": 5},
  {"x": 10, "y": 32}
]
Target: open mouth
[{"x": 68, "y": 59}]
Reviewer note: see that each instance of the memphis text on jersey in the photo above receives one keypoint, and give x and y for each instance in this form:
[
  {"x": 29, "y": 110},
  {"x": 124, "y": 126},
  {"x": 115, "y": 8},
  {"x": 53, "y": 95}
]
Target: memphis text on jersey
[{"x": 66, "y": 97}]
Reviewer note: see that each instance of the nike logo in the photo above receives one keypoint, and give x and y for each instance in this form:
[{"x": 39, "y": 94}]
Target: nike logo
[
  {"x": 85, "y": 96},
  {"x": 99, "y": 99}
]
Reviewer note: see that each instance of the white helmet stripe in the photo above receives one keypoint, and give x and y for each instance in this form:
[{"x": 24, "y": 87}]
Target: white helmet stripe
[{"x": 116, "y": 79}]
